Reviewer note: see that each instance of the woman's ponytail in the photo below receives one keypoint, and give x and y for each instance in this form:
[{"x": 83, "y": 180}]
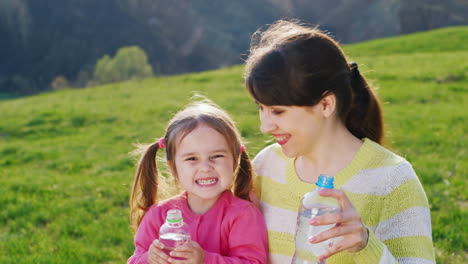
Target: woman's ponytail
[
  {"x": 243, "y": 183},
  {"x": 145, "y": 185},
  {"x": 364, "y": 118}
]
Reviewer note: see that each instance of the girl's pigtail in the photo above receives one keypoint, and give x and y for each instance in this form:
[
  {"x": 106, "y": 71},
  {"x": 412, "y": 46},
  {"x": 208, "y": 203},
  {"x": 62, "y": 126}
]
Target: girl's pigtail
[
  {"x": 243, "y": 184},
  {"x": 145, "y": 185},
  {"x": 365, "y": 116}
]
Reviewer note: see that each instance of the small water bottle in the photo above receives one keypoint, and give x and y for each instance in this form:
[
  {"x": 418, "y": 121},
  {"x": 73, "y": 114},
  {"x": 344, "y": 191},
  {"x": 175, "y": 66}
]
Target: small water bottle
[
  {"x": 312, "y": 205},
  {"x": 174, "y": 232}
]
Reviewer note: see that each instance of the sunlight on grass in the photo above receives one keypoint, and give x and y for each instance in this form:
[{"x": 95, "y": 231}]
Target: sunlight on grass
[{"x": 66, "y": 171}]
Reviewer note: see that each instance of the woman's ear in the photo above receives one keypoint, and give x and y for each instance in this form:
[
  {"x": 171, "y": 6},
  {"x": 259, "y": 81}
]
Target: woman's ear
[{"x": 328, "y": 104}]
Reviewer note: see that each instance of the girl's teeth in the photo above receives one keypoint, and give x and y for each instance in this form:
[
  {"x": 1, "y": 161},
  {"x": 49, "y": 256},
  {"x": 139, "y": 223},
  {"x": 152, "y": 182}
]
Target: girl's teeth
[{"x": 206, "y": 182}]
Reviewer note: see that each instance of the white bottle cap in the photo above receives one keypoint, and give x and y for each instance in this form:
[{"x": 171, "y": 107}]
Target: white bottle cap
[{"x": 174, "y": 216}]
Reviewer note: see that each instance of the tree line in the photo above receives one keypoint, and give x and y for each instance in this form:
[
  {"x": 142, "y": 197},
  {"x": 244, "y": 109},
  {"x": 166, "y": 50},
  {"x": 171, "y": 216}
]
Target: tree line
[{"x": 62, "y": 40}]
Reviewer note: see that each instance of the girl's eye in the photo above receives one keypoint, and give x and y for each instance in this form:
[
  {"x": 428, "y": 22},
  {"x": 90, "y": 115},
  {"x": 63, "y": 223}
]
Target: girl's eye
[
  {"x": 277, "y": 112},
  {"x": 191, "y": 158},
  {"x": 217, "y": 156}
]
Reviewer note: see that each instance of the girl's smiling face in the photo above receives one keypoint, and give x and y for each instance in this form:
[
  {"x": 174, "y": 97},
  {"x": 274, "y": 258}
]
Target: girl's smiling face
[{"x": 204, "y": 165}]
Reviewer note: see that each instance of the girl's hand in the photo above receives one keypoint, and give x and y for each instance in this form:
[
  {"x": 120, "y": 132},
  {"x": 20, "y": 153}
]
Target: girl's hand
[
  {"x": 156, "y": 254},
  {"x": 348, "y": 225},
  {"x": 190, "y": 251}
]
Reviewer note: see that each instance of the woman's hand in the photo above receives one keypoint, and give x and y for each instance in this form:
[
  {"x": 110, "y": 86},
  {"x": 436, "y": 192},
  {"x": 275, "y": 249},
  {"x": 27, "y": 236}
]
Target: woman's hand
[
  {"x": 156, "y": 254},
  {"x": 348, "y": 225},
  {"x": 190, "y": 251}
]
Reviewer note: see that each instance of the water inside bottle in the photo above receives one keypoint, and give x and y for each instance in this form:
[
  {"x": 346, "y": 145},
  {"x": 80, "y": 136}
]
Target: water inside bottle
[
  {"x": 320, "y": 248},
  {"x": 305, "y": 251},
  {"x": 173, "y": 240}
]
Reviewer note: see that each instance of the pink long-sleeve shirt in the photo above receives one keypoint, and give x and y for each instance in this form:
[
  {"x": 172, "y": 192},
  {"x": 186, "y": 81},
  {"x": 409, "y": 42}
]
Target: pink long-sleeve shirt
[{"x": 232, "y": 231}]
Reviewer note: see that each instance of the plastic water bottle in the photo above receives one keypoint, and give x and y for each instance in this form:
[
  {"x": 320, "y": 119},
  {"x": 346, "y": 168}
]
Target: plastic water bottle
[
  {"x": 174, "y": 232},
  {"x": 312, "y": 205}
]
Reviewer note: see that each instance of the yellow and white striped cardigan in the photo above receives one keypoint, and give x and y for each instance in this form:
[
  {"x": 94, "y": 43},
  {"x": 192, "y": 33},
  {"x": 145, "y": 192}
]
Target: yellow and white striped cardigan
[{"x": 383, "y": 188}]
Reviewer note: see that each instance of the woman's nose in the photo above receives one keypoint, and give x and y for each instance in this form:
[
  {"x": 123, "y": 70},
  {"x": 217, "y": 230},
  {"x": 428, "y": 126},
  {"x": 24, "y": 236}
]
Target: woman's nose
[{"x": 266, "y": 124}]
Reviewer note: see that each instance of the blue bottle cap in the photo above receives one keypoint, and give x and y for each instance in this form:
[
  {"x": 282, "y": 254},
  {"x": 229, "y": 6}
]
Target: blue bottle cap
[{"x": 325, "y": 181}]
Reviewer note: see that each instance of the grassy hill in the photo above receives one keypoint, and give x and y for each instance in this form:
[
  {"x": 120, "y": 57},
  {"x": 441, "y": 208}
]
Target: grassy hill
[
  {"x": 451, "y": 39},
  {"x": 65, "y": 171}
]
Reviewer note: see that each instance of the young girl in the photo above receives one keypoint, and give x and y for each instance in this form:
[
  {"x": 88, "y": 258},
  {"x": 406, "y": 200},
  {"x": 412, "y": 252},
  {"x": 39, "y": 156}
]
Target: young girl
[
  {"x": 205, "y": 155},
  {"x": 327, "y": 120}
]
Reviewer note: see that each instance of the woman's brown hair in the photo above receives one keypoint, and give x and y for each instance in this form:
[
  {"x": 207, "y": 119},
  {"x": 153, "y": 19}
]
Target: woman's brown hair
[
  {"x": 293, "y": 64},
  {"x": 145, "y": 185}
]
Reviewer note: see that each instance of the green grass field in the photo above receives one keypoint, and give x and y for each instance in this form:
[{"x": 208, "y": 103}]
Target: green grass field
[{"x": 65, "y": 171}]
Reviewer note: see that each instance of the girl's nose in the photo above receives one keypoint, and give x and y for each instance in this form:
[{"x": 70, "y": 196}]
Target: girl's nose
[
  {"x": 206, "y": 166},
  {"x": 266, "y": 124}
]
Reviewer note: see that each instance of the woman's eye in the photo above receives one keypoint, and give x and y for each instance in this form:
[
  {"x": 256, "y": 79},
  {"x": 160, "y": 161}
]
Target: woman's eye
[
  {"x": 190, "y": 158},
  {"x": 277, "y": 112}
]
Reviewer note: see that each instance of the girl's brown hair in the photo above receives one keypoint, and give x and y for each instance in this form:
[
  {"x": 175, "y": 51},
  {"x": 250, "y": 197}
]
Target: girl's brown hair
[
  {"x": 293, "y": 64},
  {"x": 145, "y": 185}
]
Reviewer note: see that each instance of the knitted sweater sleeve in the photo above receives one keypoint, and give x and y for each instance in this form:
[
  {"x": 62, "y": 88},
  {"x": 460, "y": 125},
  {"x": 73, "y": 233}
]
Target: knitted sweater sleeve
[{"x": 403, "y": 233}]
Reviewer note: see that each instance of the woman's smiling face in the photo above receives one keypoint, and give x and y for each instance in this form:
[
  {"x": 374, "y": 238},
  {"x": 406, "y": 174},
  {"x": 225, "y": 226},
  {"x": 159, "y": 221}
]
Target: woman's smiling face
[{"x": 295, "y": 128}]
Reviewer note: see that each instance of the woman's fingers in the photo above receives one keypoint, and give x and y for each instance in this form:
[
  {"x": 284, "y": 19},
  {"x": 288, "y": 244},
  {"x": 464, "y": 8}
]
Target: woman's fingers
[
  {"x": 339, "y": 195},
  {"x": 337, "y": 217},
  {"x": 337, "y": 231},
  {"x": 348, "y": 224},
  {"x": 351, "y": 243}
]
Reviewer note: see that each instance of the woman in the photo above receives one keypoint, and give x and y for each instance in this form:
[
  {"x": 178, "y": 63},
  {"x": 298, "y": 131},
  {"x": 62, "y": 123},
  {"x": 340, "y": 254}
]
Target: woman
[{"x": 326, "y": 120}]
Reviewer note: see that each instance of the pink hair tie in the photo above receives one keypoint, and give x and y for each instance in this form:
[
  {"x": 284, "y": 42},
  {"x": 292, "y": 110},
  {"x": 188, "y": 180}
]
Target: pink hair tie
[
  {"x": 161, "y": 143},
  {"x": 242, "y": 148}
]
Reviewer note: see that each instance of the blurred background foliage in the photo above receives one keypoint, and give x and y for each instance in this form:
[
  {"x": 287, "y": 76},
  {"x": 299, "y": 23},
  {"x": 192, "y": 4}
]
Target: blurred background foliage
[
  {"x": 129, "y": 63},
  {"x": 57, "y": 43}
]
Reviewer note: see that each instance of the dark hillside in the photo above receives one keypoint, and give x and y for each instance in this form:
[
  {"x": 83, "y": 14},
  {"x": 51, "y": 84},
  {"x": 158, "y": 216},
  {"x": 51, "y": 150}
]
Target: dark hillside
[{"x": 41, "y": 40}]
